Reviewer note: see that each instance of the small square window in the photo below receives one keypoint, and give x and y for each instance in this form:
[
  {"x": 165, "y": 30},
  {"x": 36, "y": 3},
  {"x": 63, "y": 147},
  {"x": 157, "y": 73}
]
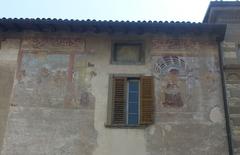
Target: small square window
[
  {"x": 127, "y": 53},
  {"x": 131, "y": 101}
]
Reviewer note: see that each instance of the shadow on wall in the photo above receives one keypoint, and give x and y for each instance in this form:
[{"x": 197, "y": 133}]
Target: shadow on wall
[{"x": 6, "y": 83}]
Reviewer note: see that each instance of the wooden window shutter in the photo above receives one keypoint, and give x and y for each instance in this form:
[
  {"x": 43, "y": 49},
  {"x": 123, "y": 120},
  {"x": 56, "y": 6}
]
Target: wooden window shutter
[
  {"x": 119, "y": 99},
  {"x": 147, "y": 99}
]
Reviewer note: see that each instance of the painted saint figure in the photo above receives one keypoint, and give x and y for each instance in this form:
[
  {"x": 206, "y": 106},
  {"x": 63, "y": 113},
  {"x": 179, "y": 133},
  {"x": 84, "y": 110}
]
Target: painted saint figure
[{"x": 172, "y": 93}]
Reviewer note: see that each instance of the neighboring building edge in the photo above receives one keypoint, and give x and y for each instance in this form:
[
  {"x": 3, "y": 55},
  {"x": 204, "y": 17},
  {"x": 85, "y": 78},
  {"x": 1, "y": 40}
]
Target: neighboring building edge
[{"x": 228, "y": 12}]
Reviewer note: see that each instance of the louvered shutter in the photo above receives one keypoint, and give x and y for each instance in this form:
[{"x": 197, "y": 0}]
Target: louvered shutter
[
  {"x": 147, "y": 99},
  {"x": 119, "y": 100}
]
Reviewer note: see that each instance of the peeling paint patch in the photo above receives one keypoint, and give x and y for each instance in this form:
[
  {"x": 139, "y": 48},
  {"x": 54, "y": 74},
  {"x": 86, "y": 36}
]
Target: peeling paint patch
[
  {"x": 168, "y": 128},
  {"x": 152, "y": 130}
]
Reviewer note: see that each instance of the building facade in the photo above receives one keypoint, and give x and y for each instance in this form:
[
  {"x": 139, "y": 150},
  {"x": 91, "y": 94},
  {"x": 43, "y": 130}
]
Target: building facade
[{"x": 111, "y": 88}]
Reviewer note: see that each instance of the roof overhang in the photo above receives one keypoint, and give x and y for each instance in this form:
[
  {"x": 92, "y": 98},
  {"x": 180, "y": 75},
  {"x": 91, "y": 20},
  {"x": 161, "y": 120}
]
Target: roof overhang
[{"x": 111, "y": 27}]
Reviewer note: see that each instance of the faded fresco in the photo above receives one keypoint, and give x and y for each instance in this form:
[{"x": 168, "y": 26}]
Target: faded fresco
[
  {"x": 60, "y": 96},
  {"x": 52, "y": 105},
  {"x": 54, "y": 43},
  {"x": 171, "y": 71},
  {"x": 55, "y": 80},
  {"x": 179, "y": 76},
  {"x": 187, "y": 92},
  {"x": 43, "y": 79}
]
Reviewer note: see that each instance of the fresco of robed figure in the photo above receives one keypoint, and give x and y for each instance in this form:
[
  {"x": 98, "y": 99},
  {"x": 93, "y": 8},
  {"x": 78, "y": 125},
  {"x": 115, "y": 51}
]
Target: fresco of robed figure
[{"x": 172, "y": 95}]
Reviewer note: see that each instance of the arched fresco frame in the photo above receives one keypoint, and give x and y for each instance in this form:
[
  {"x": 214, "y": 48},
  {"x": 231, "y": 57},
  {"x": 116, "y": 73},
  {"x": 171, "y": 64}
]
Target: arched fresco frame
[{"x": 171, "y": 71}]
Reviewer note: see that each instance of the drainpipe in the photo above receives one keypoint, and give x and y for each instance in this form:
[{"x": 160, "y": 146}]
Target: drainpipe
[{"x": 227, "y": 118}]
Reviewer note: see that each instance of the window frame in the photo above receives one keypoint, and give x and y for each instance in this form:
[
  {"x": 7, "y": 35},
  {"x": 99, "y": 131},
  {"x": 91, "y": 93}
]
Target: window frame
[
  {"x": 127, "y": 43},
  {"x": 110, "y": 104}
]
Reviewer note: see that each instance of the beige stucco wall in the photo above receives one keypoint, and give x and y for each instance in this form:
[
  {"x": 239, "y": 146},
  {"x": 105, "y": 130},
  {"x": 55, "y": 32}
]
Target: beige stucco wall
[{"x": 40, "y": 122}]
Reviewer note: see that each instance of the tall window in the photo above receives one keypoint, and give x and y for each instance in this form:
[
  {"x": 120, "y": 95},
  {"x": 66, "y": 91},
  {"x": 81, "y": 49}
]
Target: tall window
[{"x": 131, "y": 101}]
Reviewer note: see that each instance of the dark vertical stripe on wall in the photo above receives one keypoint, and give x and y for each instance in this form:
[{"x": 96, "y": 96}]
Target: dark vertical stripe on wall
[
  {"x": 228, "y": 128},
  {"x": 19, "y": 59}
]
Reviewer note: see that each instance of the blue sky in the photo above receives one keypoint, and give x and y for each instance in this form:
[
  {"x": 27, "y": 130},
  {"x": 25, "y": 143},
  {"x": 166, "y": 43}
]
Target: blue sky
[{"x": 160, "y": 10}]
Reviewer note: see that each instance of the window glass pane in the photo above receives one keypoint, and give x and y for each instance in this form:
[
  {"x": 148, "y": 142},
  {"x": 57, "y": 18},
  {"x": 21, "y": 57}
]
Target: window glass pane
[
  {"x": 127, "y": 53},
  {"x": 132, "y": 119},
  {"x": 133, "y": 102}
]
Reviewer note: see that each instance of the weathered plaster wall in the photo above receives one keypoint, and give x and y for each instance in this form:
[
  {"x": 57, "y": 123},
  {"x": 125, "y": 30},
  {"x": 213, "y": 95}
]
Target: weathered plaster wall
[
  {"x": 114, "y": 141},
  {"x": 60, "y": 96},
  {"x": 188, "y": 120},
  {"x": 52, "y": 108},
  {"x": 196, "y": 127},
  {"x": 8, "y": 58}
]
